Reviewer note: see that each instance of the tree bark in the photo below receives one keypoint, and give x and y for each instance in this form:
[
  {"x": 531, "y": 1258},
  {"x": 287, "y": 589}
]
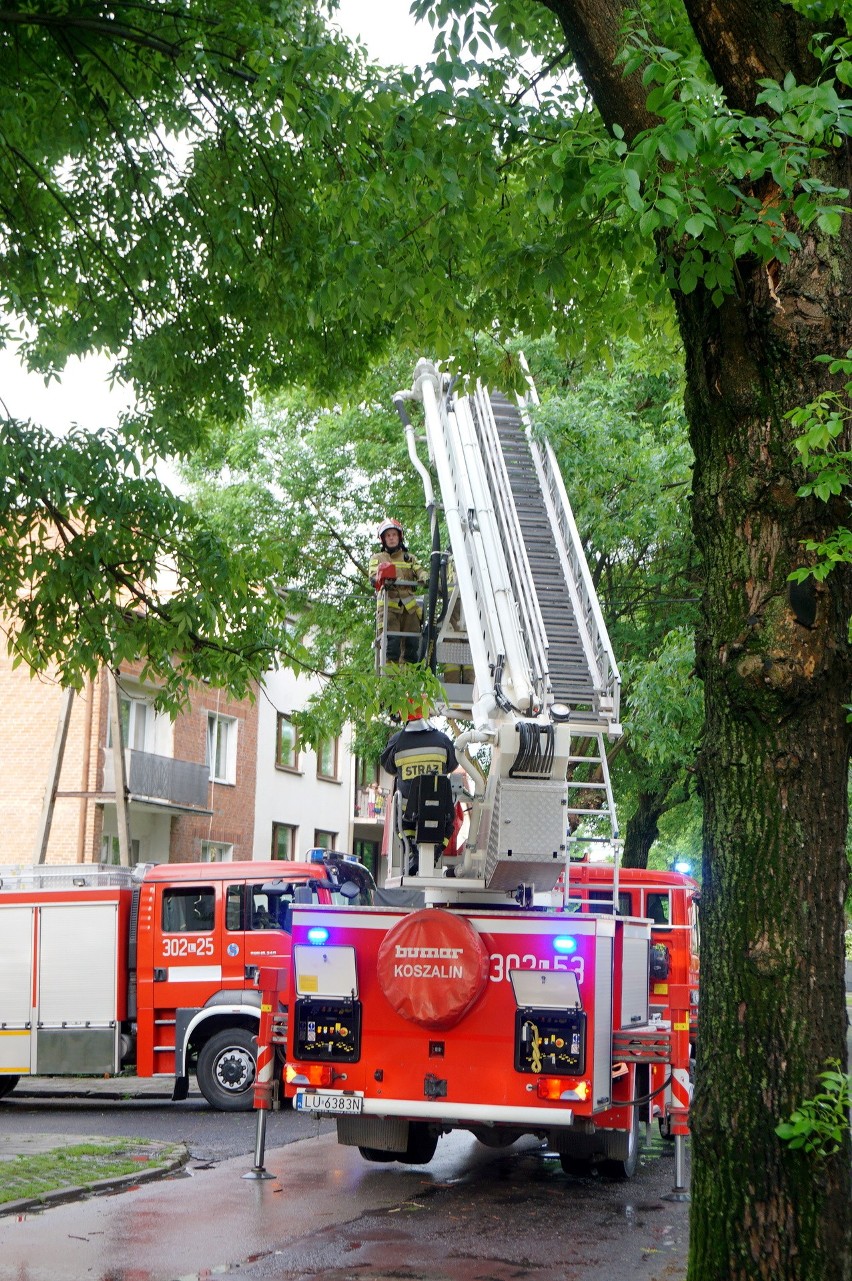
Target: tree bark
[
  {"x": 774, "y": 762},
  {"x": 772, "y": 771}
]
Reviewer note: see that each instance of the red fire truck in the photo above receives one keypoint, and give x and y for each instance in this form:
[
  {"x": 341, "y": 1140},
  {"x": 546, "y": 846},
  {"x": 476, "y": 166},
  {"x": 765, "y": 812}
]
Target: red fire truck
[
  {"x": 513, "y": 988},
  {"x": 102, "y": 968}
]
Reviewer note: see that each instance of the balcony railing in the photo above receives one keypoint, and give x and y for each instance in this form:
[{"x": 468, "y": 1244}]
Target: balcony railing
[
  {"x": 161, "y": 778},
  {"x": 370, "y": 803}
]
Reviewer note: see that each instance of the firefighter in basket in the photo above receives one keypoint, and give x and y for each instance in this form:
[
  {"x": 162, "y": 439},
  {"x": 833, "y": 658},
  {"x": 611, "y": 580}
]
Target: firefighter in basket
[
  {"x": 421, "y": 758},
  {"x": 397, "y": 573}
]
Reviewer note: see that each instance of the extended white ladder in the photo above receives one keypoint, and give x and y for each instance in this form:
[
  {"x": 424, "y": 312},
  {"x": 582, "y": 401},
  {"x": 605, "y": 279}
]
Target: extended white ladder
[{"x": 525, "y": 619}]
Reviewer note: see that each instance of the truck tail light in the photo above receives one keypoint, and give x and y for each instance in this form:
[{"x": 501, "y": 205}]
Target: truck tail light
[
  {"x": 555, "y": 1088},
  {"x": 318, "y": 1074}
]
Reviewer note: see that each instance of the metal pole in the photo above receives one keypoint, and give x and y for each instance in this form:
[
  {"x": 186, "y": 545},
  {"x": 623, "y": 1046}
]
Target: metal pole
[
  {"x": 257, "y": 1171},
  {"x": 122, "y": 809},
  {"x": 263, "y": 1083},
  {"x": 53, "y": 776},
  {"x": 679, "y": 1192}
]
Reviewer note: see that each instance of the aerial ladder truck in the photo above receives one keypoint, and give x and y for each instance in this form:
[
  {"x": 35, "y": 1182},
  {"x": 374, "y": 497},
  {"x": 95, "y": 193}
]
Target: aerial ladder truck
[{"x": 505, "y": 997}]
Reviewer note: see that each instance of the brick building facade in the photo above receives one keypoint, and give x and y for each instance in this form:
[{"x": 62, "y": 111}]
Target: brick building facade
[{"x": 211, "y": 785}]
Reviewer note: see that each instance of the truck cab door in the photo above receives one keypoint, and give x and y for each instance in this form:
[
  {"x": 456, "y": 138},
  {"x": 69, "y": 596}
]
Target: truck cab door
[
  {"x": 187, "y": 955},
  {"x": 257, "y": 929}
]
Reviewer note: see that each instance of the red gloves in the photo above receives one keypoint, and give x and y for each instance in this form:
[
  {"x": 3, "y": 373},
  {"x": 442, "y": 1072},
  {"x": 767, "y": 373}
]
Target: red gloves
[{"x": 384, "y": 573}]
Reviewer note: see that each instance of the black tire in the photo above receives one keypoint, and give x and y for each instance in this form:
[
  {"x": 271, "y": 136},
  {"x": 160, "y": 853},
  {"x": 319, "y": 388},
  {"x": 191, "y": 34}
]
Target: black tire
[
  {"x": 621, "y": 1150},
  {"x": 227, "y": 1066},
  {"x": 498, "y": 1137},
  {"x": 422, "y": 1142},
  {"x": 7, "y": 1085},
  {"x": 379, "y": 1155},
  {"x": 579, "y": 1166}
]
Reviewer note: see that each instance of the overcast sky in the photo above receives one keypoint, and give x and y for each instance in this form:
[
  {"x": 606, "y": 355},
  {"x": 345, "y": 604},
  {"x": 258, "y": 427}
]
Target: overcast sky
[{"x": 83, "y": 397}]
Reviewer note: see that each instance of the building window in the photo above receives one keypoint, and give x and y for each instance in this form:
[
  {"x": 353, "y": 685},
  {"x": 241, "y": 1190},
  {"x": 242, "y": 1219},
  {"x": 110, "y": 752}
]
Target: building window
[
  {"x": 137, "y": 724},
  {"x": 367, "y": 772},
  {"x": 327, "y": 758},
  {"x": 221, "y": 748},
  {"x": 284, "y": 840},
  {"x": 286, "y": 744},
  {"x": 110, "y": 852},
  {"x": 324, "y": 840},
  {"x": 216, "y": 852}
]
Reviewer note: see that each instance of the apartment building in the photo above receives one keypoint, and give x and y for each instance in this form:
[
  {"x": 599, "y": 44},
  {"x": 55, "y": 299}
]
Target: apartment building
[
  {"x": 304, "y": 797},
  {"x": 226, "y": 780}
]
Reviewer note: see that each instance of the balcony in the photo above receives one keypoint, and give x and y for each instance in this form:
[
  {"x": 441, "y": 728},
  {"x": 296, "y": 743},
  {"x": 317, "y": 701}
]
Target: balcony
[
  {"x": 371, "y": 804},
  {"x": 161, "y": 782}
]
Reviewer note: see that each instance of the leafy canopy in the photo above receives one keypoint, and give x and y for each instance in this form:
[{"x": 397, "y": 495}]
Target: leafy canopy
[{"x": 234, "y": 201}]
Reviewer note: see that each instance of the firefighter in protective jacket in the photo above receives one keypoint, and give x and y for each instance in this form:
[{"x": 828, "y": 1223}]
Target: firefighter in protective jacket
[
  {"x": 394, "y": 571},
  {"x": 418, "y": 750},
  {"x": 418, "y": 756}
]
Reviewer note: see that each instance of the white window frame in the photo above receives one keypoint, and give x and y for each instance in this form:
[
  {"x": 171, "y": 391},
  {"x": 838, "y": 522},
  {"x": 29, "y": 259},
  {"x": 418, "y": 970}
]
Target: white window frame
[
  {"x": 216, "y": 852},
  {"x": 221, "y": 771},
  {"x": 137, "y": 709},
  {"x": 111, "y": 854}
]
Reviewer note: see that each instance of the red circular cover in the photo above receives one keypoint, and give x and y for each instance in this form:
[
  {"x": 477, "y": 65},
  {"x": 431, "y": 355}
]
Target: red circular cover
[{"x": 433, "y": 967}]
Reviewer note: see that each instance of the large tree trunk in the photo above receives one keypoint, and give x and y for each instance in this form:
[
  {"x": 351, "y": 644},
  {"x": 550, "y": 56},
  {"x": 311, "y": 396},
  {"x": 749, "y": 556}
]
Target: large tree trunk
[
  {"x": 772, "y": 770},
  {"x": 776, "y": 670}
]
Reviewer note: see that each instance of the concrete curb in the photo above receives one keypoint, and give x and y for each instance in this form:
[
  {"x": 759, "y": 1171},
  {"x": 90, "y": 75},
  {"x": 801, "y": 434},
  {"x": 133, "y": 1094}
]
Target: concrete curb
[
  {"x": 82, "y": 1092},
  {"x": 61, "y": 1195}
]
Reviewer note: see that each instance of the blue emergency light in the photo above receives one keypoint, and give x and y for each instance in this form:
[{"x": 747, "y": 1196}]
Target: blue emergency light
[
  {"x": 318, "y": 935},
  {"x": 565, "y": 944}
]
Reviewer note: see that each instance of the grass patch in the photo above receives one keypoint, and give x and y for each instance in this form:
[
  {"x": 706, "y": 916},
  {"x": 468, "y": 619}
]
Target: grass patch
[{"x": 33, "y": 1175}]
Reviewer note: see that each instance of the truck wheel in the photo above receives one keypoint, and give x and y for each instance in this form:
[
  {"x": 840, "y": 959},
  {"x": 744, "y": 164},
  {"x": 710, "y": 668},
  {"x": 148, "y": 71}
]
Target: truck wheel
[
  {"x": 576, "y": 1152},
  {"x": 422, "y": 1142},
  {"x": 621, "y": 1150},
  {"x": 579, "y": 1166},
  {"x": 7, "y": 1085},
  {"x": 226, "y": 1070}
]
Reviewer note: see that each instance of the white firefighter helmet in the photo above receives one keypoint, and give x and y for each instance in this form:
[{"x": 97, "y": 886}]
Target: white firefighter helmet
[{"x": 390, "y": 524}]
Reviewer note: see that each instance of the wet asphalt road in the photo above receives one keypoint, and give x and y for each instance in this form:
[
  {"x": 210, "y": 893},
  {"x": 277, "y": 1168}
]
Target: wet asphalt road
[
  {"x": 207, "y": 1135},
  {"x": 473, "y": 1214}
]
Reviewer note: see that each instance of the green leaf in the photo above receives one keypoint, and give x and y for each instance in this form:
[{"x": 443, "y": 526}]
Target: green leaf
[{"x": 695, "y": 225}]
